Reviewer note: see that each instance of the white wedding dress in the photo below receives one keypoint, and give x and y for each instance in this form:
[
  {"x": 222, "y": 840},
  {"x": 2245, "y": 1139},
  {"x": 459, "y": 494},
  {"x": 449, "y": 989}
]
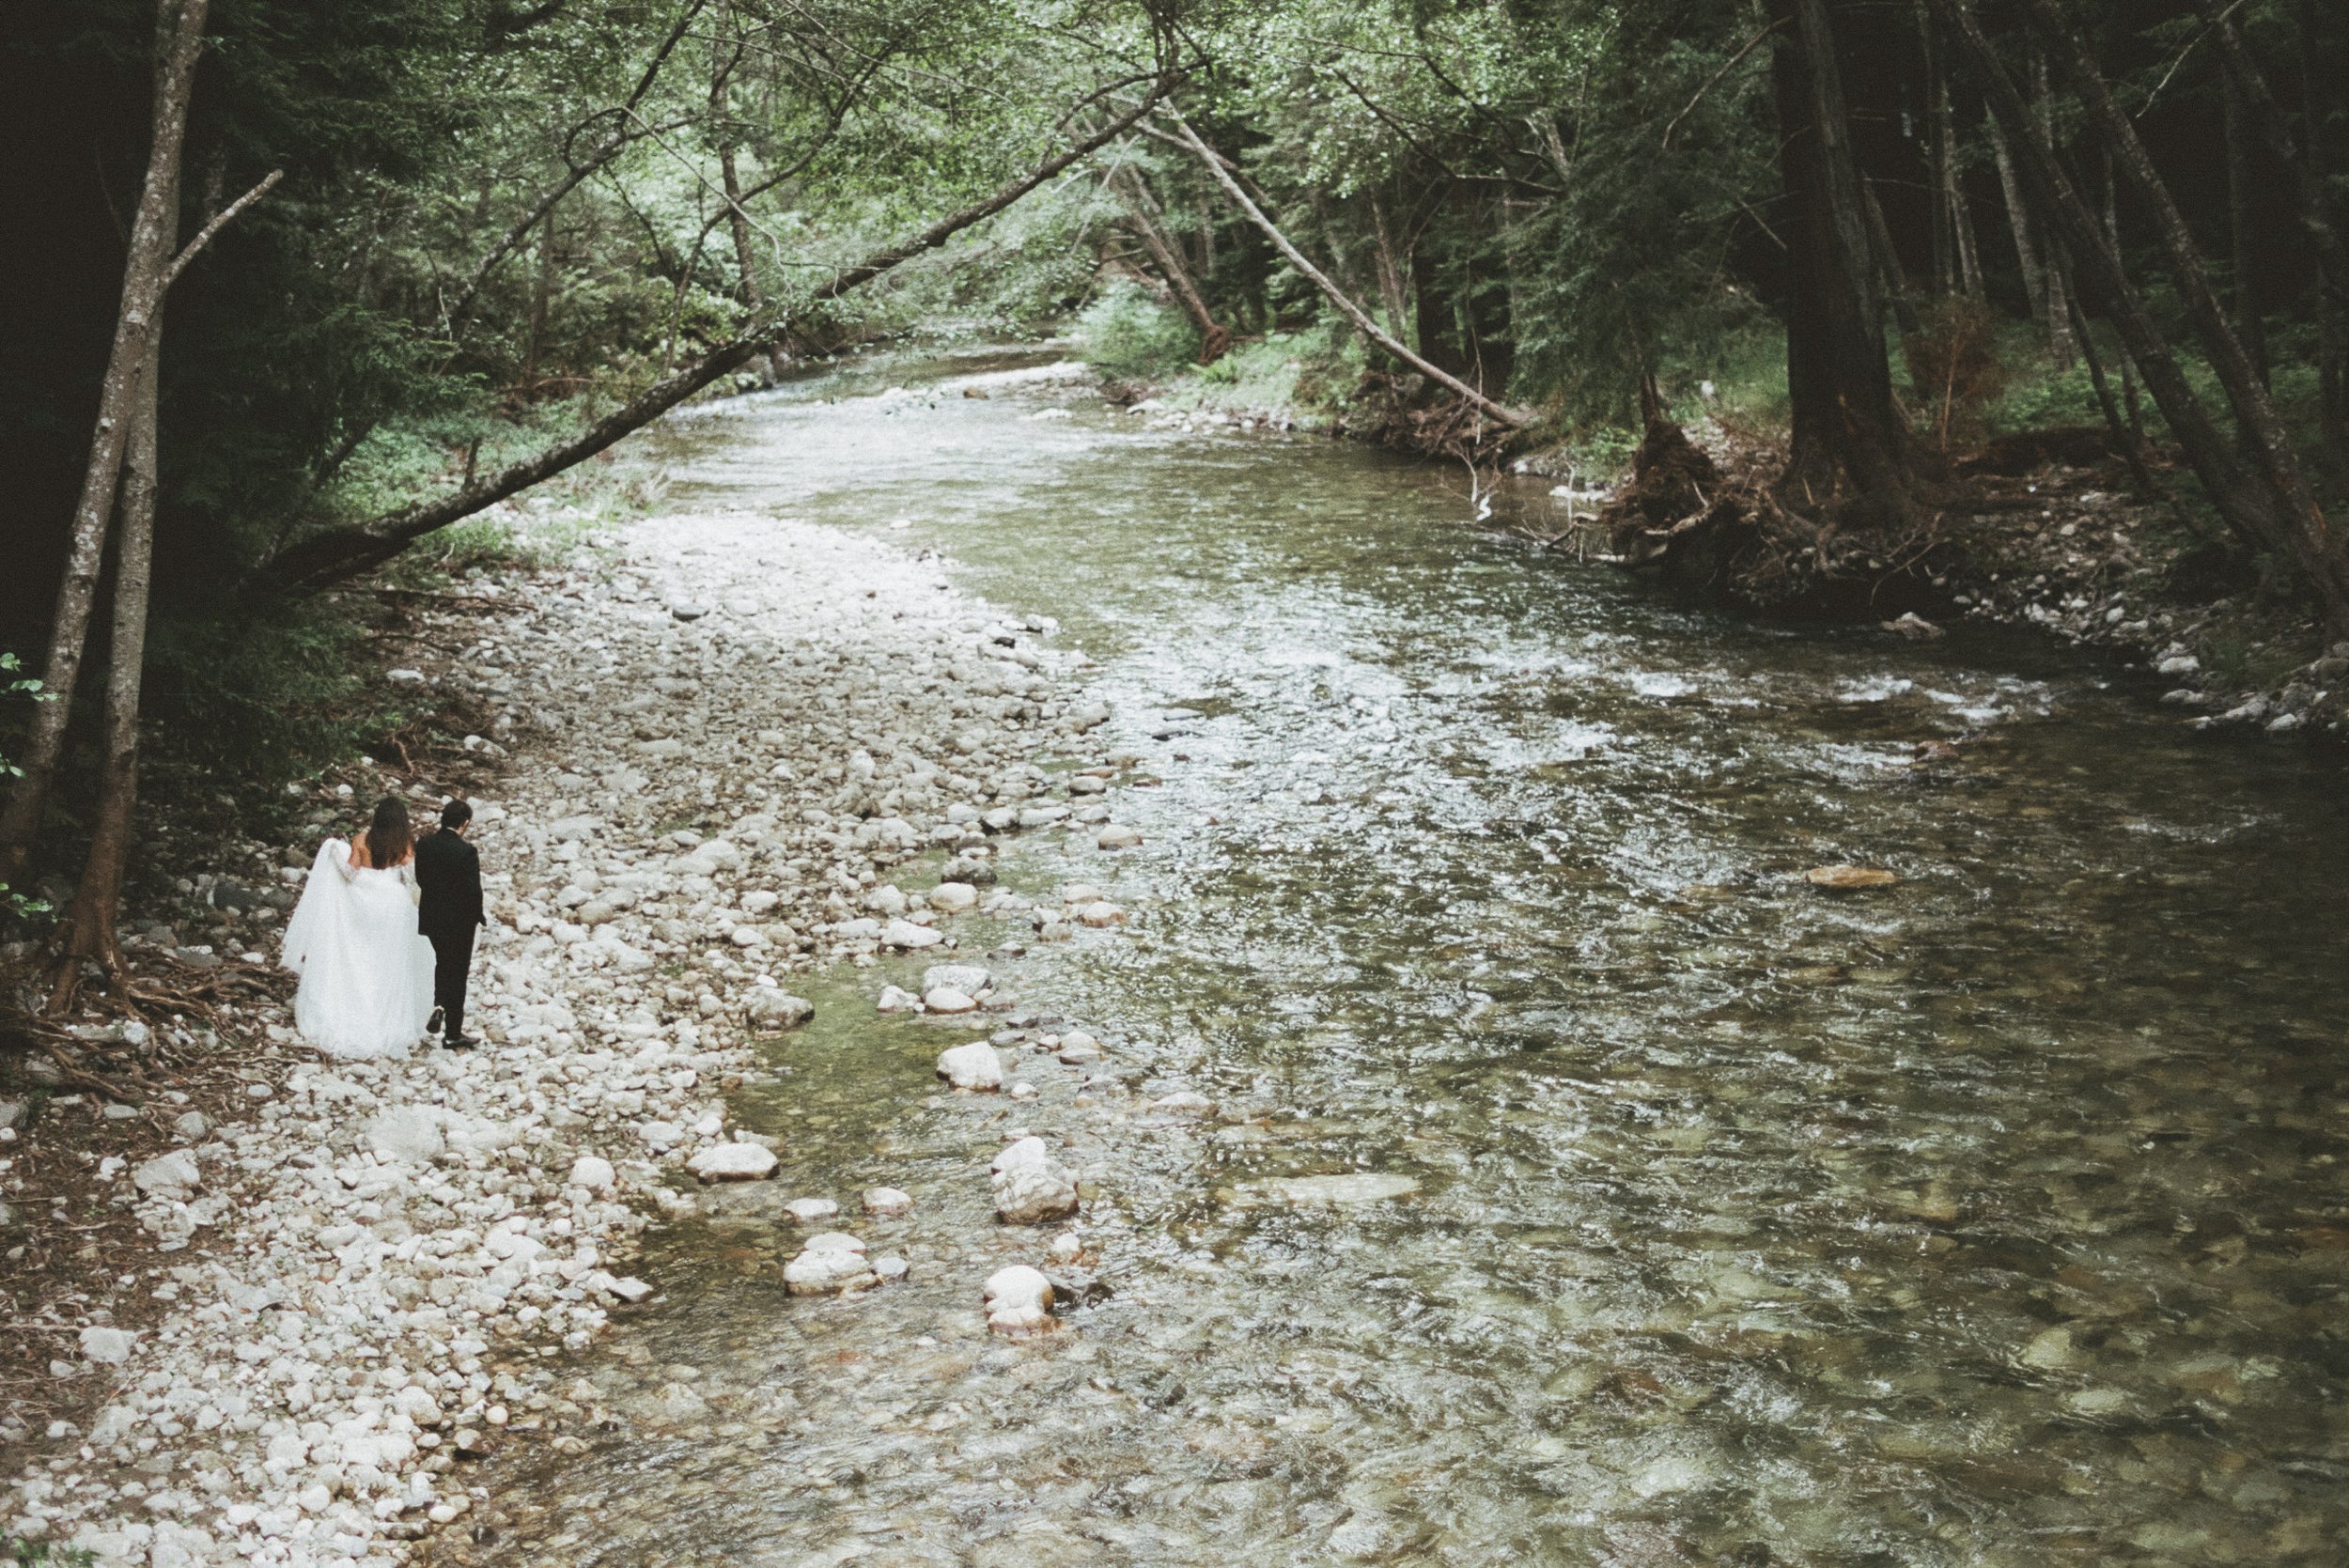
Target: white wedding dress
[{"x": 366, "y": 972}]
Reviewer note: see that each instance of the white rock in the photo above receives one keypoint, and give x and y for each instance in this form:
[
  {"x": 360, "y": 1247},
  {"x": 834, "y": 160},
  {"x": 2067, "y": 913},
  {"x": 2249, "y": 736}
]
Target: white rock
[
  {"x": 1100, "y": 913},
  {"x": 959, "y": 977},
  {"x": 954, "y": 897},
  {"x": 771, "y": 1010},
  {"x": 1116, "y": 835},
  {"x": 1185, "y": 1102},
  {"x": 904, "y": 932},
  {"x": 894, "y": 1000},
  {"x": 1077, "y": 1048},
  {"x": 886, "y": 1201},
  {"x": 1018, "y": 1302},
  {"x": 106, "y": 1345},
  {"x": 831, "y": 1265},
  {"x": 733, "y": 1163},
  {"x": 945, "y": 999},
  {"x": 972, "y": 1066},
  {"x": 1030, "y": 1186},
  {"x": 811, "y": 1211},
  {"x": 594, "y": 1172},
  {"x": 631, "y": 1289},
  {"x": 408, "y": 1132},
  {"x": 173, "y": 1175}
]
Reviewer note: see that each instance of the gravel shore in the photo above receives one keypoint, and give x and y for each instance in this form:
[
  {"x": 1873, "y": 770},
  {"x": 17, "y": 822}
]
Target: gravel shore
[{"x": 743, "y": 724}]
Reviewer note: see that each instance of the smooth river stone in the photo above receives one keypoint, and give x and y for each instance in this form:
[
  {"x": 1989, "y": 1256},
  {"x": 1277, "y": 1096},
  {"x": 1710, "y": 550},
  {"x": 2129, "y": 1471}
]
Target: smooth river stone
[
  {"x": 1018, "y": 1302},
  {"x": 733, "y": 1163},
  {"x": 945, "y": 999},
  {"x": 954, "y": 897},
  {"x": 904, "y": 932},
  {"x": 972, "y": 1066},
  {"x": 831, "y": 1265}
]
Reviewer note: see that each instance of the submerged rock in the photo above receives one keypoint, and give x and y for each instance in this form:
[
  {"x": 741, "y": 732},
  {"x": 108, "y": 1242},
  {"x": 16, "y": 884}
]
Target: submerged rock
[
  {"x": 831, "y": 1265},
  {"x": 1846, "y": 879}
]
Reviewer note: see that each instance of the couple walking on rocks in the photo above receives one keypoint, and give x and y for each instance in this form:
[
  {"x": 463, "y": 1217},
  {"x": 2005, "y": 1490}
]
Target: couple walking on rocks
[{"x": 383, "y": 936}]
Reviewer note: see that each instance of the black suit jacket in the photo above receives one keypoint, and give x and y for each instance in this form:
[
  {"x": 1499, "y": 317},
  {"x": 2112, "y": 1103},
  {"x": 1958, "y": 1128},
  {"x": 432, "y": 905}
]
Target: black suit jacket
[{"x": 448, "y": 871}]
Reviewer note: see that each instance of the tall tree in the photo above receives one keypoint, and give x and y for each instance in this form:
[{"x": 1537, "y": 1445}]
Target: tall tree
[
  {"x": 1848, "y": 440},
  {"x": 146, "y": 274}
]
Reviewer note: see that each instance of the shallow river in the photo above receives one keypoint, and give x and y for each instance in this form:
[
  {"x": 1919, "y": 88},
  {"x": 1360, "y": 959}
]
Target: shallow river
[{"x": 1995, "y": 1218}]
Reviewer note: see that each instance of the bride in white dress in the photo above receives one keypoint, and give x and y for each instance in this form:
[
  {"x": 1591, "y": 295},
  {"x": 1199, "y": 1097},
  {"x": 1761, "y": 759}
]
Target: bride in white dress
[{"x": 366, "y": 972}]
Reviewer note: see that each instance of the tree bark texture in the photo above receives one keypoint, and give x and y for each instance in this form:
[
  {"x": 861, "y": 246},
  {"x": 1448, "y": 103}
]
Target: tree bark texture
[
  {"x": 145, "y": 276},
  {"x": 89, "y": 930},
  {"x": 1847, "y": 438}
]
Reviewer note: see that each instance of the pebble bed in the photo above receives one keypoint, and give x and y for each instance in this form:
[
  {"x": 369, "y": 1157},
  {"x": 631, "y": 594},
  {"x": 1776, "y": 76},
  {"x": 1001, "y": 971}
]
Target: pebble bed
[{"x": 746, "y": 723}]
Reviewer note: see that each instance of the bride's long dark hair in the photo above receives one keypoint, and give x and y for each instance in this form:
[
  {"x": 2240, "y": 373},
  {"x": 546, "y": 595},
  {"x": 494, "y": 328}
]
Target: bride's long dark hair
[{"x": 389, "y": 837}]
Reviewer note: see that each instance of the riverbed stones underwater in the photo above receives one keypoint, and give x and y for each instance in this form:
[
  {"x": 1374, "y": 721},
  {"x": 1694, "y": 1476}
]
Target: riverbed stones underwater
[{"x": 377, "y": 1263}]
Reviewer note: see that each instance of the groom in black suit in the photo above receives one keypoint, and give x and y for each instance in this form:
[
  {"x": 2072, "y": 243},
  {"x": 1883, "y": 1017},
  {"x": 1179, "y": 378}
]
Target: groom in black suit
[{"x": 448, "y": 874}]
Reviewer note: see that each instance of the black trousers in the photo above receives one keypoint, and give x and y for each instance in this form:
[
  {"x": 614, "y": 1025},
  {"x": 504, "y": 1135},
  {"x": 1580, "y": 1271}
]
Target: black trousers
[{"x": 452, "y": 961}]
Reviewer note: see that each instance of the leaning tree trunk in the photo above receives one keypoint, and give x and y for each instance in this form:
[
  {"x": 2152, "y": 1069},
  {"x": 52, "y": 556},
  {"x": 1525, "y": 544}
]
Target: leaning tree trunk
[
  {"x": 145, "y": 274},
  {"x": 1347, "y": 307},
  {"x": 1848, "y": 442},
  {"x": 333, "y": 556},
  {"x": 2249, "y": 502},
  {"x": 1215, "y": 340},
  {"x": 2304, "y": 530}
]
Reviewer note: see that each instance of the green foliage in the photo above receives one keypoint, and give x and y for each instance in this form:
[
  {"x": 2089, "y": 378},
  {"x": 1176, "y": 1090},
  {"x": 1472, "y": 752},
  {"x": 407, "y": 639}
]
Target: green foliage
[
  {"x": 260, "y": 699},
  {"x": 1127, "y": 331},
  {"x": 43, "y": 1554}
]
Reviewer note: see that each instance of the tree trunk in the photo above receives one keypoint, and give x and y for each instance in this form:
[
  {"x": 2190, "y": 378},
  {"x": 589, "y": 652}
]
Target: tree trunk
[
  {"x": 2057, "y": 308},
  {"x": 2019, "y": 223},
  {"x": 1889, "y": 259},
  {"x": 89, "y": 931},
  {"x": 722, "y": 129},
  {"x": 2250, "y": 504},
  {"x": 2300, "y": 526},
  {"x": 2332, "y": 302},
  {"x": 2130, "y": 403},
  {"x": 145, "y": 276},
  {"x": 2248, "y": 324},
  {"x": 1346, "y": 306},
  {"x": 339, "y": 553},
  {"x": 542, "y": 294},
  {"x": 1391, "y": 271},
  {"x": 1847, "y": 439},
  {"x": 1215, "y": 340},
  {"x": 1961, "y": 212}
]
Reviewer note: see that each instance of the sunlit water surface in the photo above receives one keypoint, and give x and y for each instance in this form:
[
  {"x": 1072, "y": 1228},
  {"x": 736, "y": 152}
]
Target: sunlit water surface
[{"x": 1995, "y": 1218}]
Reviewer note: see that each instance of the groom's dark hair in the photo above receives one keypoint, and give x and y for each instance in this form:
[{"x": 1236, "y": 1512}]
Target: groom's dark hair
[{"x": 456, "y": 814}]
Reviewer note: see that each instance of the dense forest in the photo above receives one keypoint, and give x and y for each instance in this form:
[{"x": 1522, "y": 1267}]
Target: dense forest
[{"x": 295, "y": 287}]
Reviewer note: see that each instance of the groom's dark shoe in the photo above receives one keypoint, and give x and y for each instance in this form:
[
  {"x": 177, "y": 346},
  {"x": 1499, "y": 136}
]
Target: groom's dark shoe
[
  {"x": 433, "y": 1024},
  {"x": 459, "y": 1042}
]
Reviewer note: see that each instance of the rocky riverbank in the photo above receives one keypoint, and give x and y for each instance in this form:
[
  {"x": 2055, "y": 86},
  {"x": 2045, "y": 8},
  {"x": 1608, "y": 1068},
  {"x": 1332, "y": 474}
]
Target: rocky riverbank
[{"x": 727, "y": 735}]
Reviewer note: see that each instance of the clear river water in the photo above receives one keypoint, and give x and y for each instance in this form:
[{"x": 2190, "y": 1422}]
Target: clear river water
[{"x": 1585, "y": 1187}]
